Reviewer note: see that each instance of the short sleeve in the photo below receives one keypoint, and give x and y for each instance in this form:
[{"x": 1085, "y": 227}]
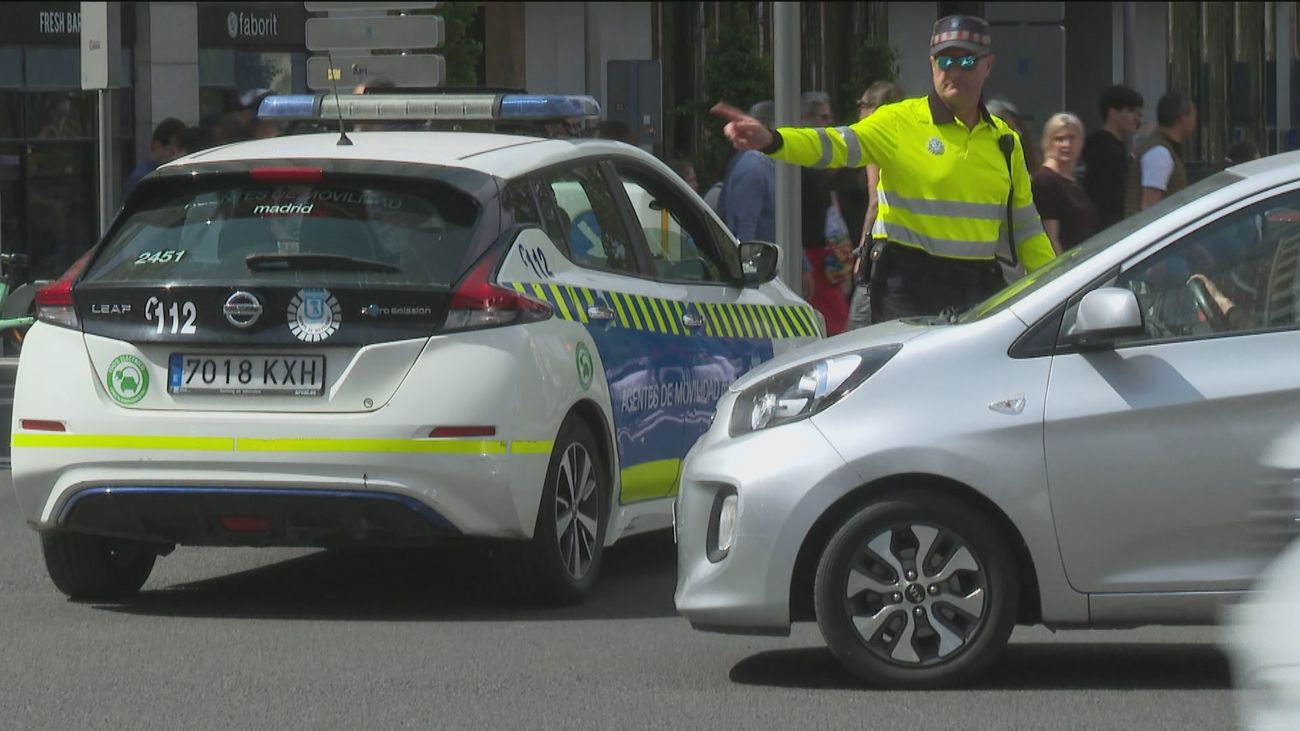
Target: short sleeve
[
  {"x": 1047, "y": 195},
  {"x": 1157, "y": 166}
]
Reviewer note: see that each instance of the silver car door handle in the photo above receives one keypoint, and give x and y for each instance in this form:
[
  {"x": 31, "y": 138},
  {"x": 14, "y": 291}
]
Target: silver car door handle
[
  {"x": 599, "y": 312},
  {"x": 692, "y": 320}
]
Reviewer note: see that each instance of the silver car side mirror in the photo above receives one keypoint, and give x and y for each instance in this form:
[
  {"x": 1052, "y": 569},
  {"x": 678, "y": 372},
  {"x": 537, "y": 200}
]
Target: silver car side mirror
[{"x": 1106, "y": 314}]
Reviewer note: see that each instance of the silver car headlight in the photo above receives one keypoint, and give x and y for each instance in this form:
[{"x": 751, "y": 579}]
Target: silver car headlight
[{"x": 800, "y": 392}]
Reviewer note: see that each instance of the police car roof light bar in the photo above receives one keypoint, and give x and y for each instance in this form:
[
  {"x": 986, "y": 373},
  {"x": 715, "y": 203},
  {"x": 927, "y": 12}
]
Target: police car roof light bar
[{"x": 436, "y": 107}]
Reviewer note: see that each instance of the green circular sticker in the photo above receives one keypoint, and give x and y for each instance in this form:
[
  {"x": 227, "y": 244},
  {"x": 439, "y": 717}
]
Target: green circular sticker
[
  {"x": 586, "y": 368},
  {"x": 128, "y": 379}
]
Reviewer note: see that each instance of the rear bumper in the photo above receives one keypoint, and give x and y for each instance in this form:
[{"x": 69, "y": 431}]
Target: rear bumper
[{"x": 225, "y": 516}]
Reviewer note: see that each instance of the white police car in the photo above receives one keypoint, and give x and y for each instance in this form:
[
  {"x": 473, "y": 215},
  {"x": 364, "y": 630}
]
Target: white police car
[{"x": 303, "y": 342}]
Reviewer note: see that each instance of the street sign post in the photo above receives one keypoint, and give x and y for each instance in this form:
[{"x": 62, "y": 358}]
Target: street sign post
[
  {"x": 101, "y": 70},
  {"x": 346, "y": 41},
  {"x": 385, "y": 31},
  {"x": 408, "y": 71}
]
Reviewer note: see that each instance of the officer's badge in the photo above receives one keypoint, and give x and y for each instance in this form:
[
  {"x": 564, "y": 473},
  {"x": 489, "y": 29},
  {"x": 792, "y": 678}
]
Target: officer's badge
[{"x": 935, "y": 146}]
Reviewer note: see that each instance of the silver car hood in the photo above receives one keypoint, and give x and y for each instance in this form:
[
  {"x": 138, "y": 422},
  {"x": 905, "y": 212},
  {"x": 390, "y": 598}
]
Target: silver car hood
[{"x": 886, "y": 333}]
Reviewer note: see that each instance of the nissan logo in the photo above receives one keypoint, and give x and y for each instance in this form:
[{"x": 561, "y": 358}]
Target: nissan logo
[{"x": 242, "y": 309}]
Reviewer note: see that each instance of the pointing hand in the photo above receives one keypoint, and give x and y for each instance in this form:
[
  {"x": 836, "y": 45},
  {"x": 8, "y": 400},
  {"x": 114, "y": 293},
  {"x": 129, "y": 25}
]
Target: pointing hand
[{"x": 742, "y": 131}]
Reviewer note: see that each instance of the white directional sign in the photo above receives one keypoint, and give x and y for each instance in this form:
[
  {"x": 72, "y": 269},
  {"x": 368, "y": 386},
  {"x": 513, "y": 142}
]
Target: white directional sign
[
  {"x": 406, "y": 71},
  {"x": 378, "y": 5},
  {"x": 385, "y": 31}
]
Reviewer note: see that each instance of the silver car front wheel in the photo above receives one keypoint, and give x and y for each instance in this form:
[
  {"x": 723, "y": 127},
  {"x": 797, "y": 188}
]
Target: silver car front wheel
[{"x": 916, "y": 591}]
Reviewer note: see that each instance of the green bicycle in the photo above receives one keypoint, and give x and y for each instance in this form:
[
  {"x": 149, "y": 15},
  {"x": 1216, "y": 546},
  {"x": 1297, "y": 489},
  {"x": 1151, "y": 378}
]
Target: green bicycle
[{"x": 17, "y": 304}]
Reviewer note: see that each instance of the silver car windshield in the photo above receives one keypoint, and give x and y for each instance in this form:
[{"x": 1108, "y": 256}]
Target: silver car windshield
[{"x": 1031, "y": 283}]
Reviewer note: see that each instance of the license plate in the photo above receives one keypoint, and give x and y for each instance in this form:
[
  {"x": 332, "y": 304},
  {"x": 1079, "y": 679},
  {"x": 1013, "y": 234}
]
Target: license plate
[{"x": 247, "y": 375}]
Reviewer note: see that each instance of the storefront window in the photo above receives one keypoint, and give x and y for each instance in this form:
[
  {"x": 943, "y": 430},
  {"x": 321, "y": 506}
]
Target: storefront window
[
  {"x": 57, "y": 67},
  {"x": 61, "y": 209},
  {"x": 11, "y": 68},
  {"x": 11, "y": 116},
  {"x": 54, "y": 115}
]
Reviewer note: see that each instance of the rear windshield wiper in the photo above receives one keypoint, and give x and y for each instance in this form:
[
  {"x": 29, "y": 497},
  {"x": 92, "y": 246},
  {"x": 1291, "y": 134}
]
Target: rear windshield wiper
[{"x": 285, "y": 262}]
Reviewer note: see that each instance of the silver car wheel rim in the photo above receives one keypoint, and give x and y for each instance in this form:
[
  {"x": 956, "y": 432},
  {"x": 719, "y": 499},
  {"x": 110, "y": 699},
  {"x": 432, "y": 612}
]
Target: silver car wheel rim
[
  {"x": 916, "y": 595},
  {"x": 577, "y": 511}
]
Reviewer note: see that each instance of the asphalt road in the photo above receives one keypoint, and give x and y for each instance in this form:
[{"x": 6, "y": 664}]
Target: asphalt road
[{"x": 283, "y": 639}]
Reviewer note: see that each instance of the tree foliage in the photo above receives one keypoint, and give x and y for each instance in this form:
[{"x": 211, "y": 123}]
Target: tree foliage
[
  {"x": 873, "y": 60},
  {"x": 735, "y": 73},
  {"x": 460, "y": 51}
]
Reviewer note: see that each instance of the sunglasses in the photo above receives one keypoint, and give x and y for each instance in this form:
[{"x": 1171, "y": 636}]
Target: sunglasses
[{"x": 965, "y": 63}]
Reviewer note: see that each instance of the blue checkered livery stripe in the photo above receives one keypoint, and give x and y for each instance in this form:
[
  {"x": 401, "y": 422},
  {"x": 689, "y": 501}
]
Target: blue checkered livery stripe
[{"x": 652, "y": 314}]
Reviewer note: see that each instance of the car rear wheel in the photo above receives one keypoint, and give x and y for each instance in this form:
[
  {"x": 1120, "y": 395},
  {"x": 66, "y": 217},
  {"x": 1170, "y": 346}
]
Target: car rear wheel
[
  {"x": 916, "y": 591},
  {"x": 90, "y": 568},
  {"x": 560, "y": 564}
]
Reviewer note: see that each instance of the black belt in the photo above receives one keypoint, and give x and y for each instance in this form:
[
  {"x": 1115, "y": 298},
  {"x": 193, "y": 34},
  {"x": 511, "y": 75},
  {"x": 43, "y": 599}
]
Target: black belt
[{"x": 892, "y": 256}]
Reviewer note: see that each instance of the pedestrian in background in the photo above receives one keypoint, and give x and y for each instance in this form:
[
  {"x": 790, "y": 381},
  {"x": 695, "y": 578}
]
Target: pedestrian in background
[
  {"x": 1242, "y": 151},
  {"x": 876, "y": 96},
  {"x": 686, "y": 171},
  {"x": 1159, "y": 171},
  {"x": 1010, "y": 114},
  {"x": 1105, "y": 154},
  {"x": 748, "y": 200},
  {"x": 1067, "y": 212},
  {"x": 824, "y": 232},
  {"x": 938, "y": 155},
  {"x": 167, "y": 144}
]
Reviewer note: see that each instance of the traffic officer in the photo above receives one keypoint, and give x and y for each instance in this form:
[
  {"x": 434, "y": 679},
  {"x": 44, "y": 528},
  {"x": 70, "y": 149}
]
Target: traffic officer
[{"x": 953, "y": 181}]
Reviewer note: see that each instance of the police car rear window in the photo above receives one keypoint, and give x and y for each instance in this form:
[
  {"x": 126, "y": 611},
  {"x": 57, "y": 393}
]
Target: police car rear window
[{"x": 365, "y": 231}]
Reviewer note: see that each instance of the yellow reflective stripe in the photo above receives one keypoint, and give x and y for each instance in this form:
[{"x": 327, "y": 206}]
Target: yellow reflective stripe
[
  {"x": 439, "y": 446},
  {"x": 586, "y": 295},
  {"x": 773, "y": 325},
  {"x": 519, "y": 287},
  {"x": 532, "y": 447},
  {"x": 800, "y": 325},
  {"x": 645, "y": 312},
  {"x": 541, "y": 293},
  {"x": 631, "y": 310},
  {"x": 124, "y": 441},
  {"x": 765, "y": 316},
  {"x": 730, "y": 311},
  {"x": 780, "y": 316},
  {"x": 668, "y": 316},
  {"x": 720, "y": 323},
  {"x": 747, "y": 317},
  {"x": 577, "y": 304},
  {"x": 248, "y": 444},
  {"x": 813, "y": 328},
  {"x": 774, "y": 314},
  {"x": 618, "y": 308},
  {"x": 649, "y": 480},
  {"x": 675, "y": 310},
  {"x": 559, "y": 301},
  {"x": 759, "y": 325}
]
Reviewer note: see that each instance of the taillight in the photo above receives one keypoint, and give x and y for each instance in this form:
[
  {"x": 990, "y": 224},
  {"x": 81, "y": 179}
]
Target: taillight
[
  {"x": 478, "y": 303},
  {"x": 54, "y": 301}
]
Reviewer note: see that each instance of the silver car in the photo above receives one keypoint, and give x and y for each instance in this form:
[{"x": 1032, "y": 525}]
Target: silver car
[{"x": 1077, "y": 451}]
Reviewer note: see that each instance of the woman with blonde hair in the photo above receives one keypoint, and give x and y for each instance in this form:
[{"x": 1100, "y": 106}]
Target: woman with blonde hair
[{"x": 1068, "y": 214}]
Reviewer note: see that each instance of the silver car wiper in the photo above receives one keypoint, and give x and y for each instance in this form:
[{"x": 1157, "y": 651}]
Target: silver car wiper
[{"x": 284, "y": 262}]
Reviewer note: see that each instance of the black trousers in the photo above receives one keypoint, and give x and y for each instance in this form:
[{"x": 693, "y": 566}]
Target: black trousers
[{"x": 907, "y": 282}]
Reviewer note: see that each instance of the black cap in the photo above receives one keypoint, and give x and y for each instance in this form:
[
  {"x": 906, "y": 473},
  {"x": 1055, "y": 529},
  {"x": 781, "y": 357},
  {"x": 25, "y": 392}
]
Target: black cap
[{"x": 961, "y": 31}]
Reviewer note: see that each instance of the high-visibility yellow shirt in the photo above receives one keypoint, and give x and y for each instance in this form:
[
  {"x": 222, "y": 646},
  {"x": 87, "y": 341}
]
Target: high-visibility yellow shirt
[{"x": 943, "y": 185}]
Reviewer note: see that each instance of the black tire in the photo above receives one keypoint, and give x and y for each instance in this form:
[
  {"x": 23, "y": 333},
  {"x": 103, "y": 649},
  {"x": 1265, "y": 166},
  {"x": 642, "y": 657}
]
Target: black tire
[
  {"x": 94, "y": 568},
  {"x": 543, "y": 570},
  {"x": 928, "y": 609}
]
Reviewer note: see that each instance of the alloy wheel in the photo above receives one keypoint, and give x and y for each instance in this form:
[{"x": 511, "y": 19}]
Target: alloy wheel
[
  {"x": 577, "y": 510},
  {"x": 915, "y": 594}
]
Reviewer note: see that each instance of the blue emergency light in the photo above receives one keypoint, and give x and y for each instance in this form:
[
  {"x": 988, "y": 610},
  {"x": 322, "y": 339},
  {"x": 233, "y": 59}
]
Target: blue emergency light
[{"x": 430, "y": 107}]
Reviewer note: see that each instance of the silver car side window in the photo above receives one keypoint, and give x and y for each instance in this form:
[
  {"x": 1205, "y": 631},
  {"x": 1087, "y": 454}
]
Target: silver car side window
[{"x": 1240, "y": 273}]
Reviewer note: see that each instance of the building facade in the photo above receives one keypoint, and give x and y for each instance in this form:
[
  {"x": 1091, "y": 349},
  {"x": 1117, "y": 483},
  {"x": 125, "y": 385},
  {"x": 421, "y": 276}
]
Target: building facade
[{"x": 647, "y": 62}]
